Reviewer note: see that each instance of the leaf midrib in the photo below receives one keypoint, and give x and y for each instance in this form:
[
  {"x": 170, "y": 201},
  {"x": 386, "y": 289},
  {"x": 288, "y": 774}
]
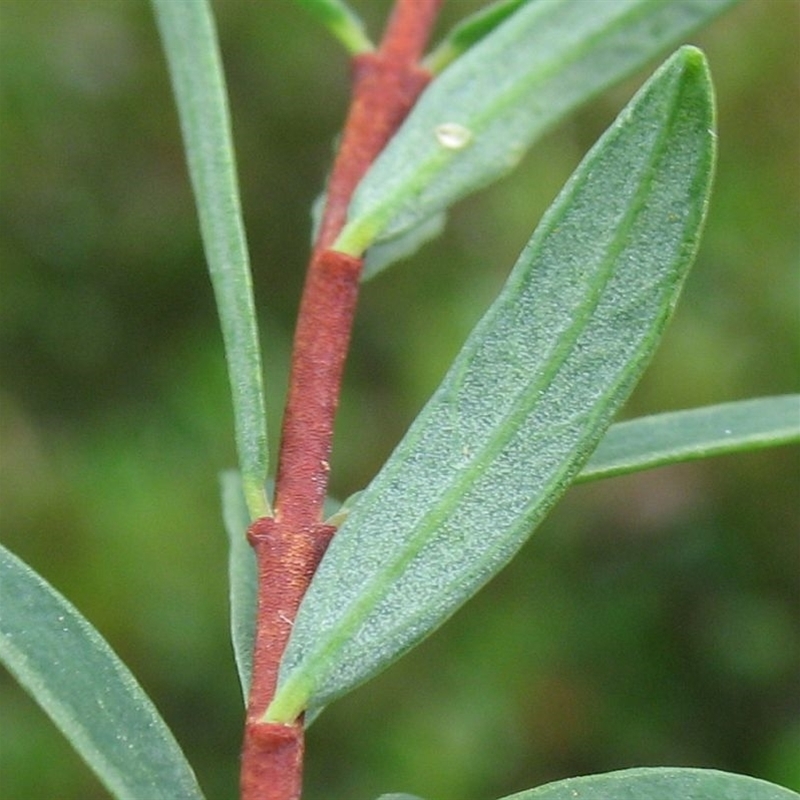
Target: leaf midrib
[{"x": 517, "y": 410}]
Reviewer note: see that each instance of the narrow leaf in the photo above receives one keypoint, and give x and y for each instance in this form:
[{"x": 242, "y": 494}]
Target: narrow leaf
[
  {"x": 341, "y": 21},
  {"x": 660, "y": 783},
  {"x": 190, "y": 43},
  {"x": 699, "y": 433},
  {"x": 477, "y": 119},
  {"x": 90, "y": 695},
  {"x": 242, "y": 575},
  {"x": 526, "y": 400},
  {"x": 470, "y": 31}
]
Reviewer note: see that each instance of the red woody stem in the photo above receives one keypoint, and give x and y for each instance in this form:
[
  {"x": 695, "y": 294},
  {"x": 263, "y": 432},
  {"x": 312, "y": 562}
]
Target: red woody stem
[{"x": 289, "y": 546}]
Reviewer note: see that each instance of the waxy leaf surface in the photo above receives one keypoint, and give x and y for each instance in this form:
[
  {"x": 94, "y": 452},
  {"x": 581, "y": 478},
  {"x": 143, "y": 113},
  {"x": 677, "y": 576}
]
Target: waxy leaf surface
[
  {"x": 190, "y": 44},
  {"x": 506, "y": 91},
  {"x": 91, "y": 696},
  {"x": 526, "y": 400},
  {"x": 659, "y": 783}
]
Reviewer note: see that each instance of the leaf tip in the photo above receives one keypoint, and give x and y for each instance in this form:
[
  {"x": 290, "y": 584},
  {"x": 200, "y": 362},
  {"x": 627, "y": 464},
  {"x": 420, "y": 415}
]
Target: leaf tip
[
  {"x": 692, "y": 56},
  {"x": 694, "y": 65}
]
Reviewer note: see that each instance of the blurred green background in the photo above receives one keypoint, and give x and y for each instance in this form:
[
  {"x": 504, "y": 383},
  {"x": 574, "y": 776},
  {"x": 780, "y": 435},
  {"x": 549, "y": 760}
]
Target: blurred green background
[{"x": 652, "y": 620}]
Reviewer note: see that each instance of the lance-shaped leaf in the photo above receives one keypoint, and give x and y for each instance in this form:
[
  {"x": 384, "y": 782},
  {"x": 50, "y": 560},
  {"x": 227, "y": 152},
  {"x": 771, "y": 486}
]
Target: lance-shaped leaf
[
  {"x": 660, "y": 783},
  {"x": 476, "y": 120},
  {"x": 69, "y": 669},
  {"x": 526, "y": 400},
  {"x": 696, "y": 433},
  {"x": 190, "y": 43}
]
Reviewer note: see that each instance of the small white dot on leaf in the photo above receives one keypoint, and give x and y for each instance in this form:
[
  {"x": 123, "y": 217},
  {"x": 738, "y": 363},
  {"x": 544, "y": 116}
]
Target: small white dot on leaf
[{"x": 452, "y": 135}]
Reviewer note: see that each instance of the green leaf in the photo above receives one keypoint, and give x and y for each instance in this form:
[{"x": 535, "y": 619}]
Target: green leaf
[
  {"x": 699, "y": 433},
  {"x": 90, "y": 695},
  {"x": 242, "y": 575},
  {"x": 470, "y": 31},
  {"x": 477, "y": 119},
  {"x": 341, "y": 21},
  {"x": 659, "y": 783},
  {"x": 526, "y": 400},
  {"x": 190, "y": 43}
]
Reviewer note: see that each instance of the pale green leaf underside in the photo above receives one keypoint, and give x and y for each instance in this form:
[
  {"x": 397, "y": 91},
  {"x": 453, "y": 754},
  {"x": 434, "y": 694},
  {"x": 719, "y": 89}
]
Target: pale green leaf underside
[
  {"x": 190, "y": 43},
  {"x": 508, "y": 89},
  {"x": 69, "y": 669},
  {"x": 676, "y": 436},
  {"x": 242, "y": 576},
  {"x": 659, "y": 783},
  {"x": 525, "y": 401}
]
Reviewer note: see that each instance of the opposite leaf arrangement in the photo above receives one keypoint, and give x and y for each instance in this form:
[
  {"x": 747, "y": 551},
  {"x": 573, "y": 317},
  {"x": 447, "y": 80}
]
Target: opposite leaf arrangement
[{"x": 524, "y": 411}]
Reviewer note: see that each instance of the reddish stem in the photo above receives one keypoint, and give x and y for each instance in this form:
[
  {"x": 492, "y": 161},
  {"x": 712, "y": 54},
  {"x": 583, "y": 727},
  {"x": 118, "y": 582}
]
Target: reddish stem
[
  {"x": 320, "y": 346},
  {"x": 386, "y": 86},
  {"x": 288, "y": 548}
]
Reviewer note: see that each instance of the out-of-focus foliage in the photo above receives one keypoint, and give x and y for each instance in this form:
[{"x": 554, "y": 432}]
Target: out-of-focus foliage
[{"x": 653, "y": 620}]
